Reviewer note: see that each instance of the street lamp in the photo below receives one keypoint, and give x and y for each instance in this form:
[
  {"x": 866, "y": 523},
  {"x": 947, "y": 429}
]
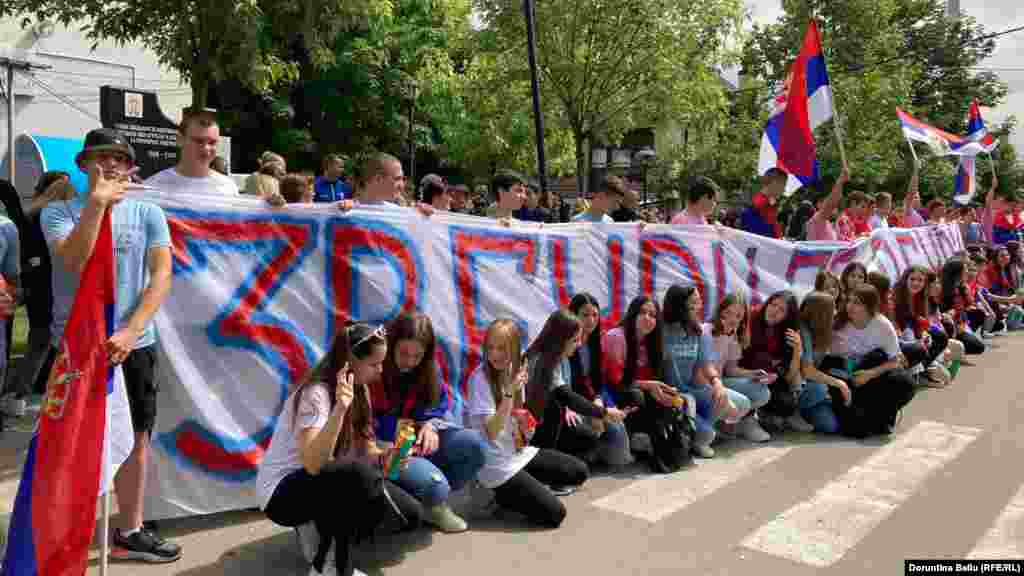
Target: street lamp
[
  {"x": 538, "y": 118},
  {"x": 644, "y": 156}
]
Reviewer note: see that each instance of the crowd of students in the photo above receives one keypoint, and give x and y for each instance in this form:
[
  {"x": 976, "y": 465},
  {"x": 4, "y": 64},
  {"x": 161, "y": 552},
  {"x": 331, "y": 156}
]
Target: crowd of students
[
  {"x": 541, "y": 415},
  {"x": 374, "y": 435}
]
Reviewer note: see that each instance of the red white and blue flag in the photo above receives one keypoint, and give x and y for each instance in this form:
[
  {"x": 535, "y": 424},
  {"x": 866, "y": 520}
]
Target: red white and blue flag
[
  {"x": 977, "y": 133},
  {"x": 943, "y": 143},
  {"x": 55, "y": 509},
  {"x": 788, "y": 140},
  {"x": 965, "y": 185},
  {"x": 980, "y": 140}
]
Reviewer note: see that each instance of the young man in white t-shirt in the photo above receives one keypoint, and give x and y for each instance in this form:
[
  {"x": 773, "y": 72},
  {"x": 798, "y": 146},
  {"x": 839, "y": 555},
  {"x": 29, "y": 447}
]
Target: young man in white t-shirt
[{"x": 198, "y": 136}]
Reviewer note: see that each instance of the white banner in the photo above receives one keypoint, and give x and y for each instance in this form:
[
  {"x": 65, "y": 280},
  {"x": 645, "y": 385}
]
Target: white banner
[{"x": 257, "y": 294}]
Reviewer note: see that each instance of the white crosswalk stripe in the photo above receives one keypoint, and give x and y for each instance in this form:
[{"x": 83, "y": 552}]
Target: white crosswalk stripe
[
  {"x": 1005, "y": 539},
  {"x": 819, "y": 531},
  {"x": 657, "y": 497}
]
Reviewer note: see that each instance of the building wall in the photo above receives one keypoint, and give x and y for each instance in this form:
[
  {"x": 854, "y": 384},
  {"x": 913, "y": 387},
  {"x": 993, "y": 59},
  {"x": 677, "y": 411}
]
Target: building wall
[{"x": 69, "y": 106}]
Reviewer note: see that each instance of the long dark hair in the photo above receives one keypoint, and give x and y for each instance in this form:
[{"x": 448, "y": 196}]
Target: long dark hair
[
  {"x": 883, "y": 285},
  {"x": 675, "y": 308},
  {"x": 652, "y": 342},
  {"x": 952, "y": 283},
  {"x": 423, "y": 380},
  {"x": 593, "y": 344},
  {"x": 761, "y": 333},
  {"x": 910, "y": 308},
  {"x": 1001, "y": 275},
  {"x": 354, "y": 341},
  {"x": 869, "y": 297},
  {"x": 561, "y": 327}
]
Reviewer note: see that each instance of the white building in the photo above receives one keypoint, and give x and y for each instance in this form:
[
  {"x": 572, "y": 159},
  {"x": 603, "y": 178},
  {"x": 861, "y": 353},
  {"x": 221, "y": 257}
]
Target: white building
[{"x": 63, "y": 100}]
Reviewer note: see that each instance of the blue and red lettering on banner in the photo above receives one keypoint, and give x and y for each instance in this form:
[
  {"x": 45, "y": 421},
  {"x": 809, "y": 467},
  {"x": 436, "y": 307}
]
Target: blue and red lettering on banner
[{"x": 258, "y": 294}]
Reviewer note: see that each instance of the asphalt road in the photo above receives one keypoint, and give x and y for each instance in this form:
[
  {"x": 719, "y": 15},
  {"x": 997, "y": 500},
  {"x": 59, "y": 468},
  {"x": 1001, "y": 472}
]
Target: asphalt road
[{"x": 948, "y": 484}]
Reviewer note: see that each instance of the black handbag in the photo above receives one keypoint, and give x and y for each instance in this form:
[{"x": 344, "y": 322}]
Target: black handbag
[{"x": 671, "y": 432}]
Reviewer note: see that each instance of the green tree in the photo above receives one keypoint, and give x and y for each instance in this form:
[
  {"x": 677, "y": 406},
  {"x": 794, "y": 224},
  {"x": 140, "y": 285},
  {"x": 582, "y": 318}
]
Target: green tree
[
  {"x": 607, "y": 67},
  {"x": 206, "y": 41}
]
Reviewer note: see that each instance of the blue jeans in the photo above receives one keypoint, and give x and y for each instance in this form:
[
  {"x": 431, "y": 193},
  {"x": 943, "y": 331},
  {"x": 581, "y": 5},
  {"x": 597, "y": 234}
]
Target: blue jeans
[
  {"x": 613, "y": 446},
  {"x": 757, "y": 395},
  {"x": 815, "y": 405},
  {"x": 459, "y": 457},
  {"x": 707, "y": 416}
]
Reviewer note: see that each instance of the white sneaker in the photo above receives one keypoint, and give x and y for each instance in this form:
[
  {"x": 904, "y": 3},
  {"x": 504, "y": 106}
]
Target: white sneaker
[
  {"x": 750, "y": 429},
  {"x": 329, "y": 570},
  {"x": 446, "y": 520},
  {"x": 797, "y": 423},
  {"x": 704, "y": 451},
  {"x": 15, "y": 407},
  {"x": 309, "y": 540}
]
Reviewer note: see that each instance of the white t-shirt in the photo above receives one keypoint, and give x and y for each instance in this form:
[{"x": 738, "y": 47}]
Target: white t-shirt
[
  {"x": 216, "y": 184},
  {"x": 502, "y": 461},
  {"x": 284, "y": 456},
  {"x": 856, "y": 342}
]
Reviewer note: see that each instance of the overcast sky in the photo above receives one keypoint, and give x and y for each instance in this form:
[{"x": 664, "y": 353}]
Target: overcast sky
[{"x": 996, "y": 16}]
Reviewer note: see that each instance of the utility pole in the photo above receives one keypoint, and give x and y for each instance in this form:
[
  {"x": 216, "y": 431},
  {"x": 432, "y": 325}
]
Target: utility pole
[
  {"x": 953, "y": 8},
  {"x": 12, "y": 64},
  {"x": 538, "y": 118}
]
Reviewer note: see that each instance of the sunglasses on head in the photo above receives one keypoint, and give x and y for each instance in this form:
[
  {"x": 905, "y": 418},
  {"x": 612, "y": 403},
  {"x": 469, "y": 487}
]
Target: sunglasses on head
[{"x": 380, "y": 332}]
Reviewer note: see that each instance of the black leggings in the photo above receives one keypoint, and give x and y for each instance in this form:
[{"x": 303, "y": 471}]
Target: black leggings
[
  {"x": 973, "y": 344},
  {"x": 527, "y": 494},
  {"x": 346, "y": 502}
]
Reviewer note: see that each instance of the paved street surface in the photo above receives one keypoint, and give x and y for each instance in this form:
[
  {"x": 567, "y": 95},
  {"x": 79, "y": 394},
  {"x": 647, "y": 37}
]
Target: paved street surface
[{"x": 947, "y": 485}]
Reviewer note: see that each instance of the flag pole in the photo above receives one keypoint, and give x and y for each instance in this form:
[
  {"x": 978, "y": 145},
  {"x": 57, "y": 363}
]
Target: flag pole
[
  {"x": 105, "y": 523},
  {"x": 839, "y": 136},
  {"x": 912, "y": 151},
  {"x": 992, "y": 164}
]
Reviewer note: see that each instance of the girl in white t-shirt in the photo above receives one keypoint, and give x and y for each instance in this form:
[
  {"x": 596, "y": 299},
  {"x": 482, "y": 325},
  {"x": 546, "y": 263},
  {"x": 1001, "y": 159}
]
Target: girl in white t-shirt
[
  {"x": 518, "y": 473},
  {"x": 323, "y": 463},
  {"x": 881, "y": 391}
]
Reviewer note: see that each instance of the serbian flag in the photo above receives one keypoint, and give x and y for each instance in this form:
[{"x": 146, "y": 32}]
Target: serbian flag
[
  {"x": 55, "y": 508},
  {"x": 965, "y": 184},
  {"x": 977, "y": 132},
  {"x": 788, "y": 140},
  {"x": 943, "y": 143}
]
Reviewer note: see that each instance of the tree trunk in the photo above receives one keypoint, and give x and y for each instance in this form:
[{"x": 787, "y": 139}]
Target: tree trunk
[
  {"x": 200, "y": 88},
  {"x": 581, "y": 163}
]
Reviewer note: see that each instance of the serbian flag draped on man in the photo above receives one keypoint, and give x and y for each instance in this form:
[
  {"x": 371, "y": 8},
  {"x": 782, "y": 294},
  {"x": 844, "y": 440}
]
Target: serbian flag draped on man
[
  {"x": 66, "y": 468},
  {"x": 788, "y": 140}
]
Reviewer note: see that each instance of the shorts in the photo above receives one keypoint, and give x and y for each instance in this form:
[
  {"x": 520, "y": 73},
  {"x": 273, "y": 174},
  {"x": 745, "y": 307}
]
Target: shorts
[{"x": 140, "y": 383}]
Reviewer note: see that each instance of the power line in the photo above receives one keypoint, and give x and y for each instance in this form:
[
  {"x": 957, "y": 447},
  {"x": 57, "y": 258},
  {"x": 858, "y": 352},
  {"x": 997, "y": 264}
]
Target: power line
[
  {"x": 66, "y": 101},
  {"x": 111, "y": 76}
]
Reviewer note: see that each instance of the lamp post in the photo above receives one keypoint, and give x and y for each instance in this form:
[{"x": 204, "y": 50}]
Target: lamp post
[
  {"x": 538, "y": 119},
  {"x": 644, "y": 156}
]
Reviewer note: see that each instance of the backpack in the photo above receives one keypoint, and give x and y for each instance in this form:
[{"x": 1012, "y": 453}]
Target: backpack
[{"x": 671, "y": 433}]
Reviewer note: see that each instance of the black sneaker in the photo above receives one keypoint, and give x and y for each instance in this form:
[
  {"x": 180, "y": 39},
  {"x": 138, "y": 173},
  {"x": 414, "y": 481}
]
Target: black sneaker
[{"x": 144, "y": 546}]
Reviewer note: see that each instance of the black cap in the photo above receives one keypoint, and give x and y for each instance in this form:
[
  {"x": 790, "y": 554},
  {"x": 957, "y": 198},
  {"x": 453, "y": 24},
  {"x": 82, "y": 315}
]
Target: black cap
[{"x": 106, "y": 140}]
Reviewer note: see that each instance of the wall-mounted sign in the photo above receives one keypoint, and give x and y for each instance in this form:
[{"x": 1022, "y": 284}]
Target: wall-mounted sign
[{"x": 137, "y": 115}]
